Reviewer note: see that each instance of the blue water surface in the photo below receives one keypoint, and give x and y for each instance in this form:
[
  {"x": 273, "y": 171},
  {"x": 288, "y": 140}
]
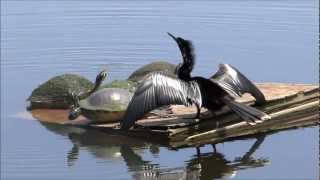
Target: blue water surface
[{"x": 268, "y": 40}]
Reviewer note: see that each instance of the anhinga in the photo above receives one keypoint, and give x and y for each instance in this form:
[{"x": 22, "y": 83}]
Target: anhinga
[{"x": 158, "y": 90}]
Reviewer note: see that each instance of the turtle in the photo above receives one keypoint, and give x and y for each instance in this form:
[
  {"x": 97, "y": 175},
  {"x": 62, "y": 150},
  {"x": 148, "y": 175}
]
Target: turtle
[
  {"x": 103, "y": 105},
  {"x": 54, "y": 93},
  {"x": 157, "y": 66},
  {"x": 138, "y": 75},
  {"x": 109, "y": 103}
]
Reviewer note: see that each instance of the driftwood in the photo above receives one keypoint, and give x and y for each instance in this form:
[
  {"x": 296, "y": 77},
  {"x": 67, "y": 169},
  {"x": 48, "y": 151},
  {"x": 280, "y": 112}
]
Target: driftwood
[{"x": 289, "y": 105}]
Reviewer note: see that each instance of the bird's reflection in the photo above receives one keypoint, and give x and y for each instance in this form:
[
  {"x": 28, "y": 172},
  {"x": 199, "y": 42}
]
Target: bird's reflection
[
  {"x": 210, "y": 165},
  {"x": 214, "y": 165}
]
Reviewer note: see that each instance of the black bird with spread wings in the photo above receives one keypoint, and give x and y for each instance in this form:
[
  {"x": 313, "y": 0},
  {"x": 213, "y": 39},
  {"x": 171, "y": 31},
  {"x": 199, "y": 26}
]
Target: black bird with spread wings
[{"x": 158, "y": 89}]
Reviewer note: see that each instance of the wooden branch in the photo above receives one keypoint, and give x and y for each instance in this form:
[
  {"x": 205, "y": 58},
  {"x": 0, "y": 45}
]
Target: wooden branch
[{"x": 242, "y": 128}]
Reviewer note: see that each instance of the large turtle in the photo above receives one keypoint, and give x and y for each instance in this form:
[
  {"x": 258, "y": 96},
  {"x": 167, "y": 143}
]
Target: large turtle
[
  {"x": 103, "y": 105},
  {"x": 134, "y": 79},
  {"x": 54, "y": 93},
  {"x": 157, "y": 66}
]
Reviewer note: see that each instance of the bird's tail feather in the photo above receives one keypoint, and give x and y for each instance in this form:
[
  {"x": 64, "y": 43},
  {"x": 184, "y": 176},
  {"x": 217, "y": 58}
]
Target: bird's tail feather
[{"x": 248, "y": 113}]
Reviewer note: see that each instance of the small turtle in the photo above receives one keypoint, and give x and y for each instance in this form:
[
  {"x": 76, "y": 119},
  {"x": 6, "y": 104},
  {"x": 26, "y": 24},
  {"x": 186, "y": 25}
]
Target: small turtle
[
  {"x": 103, "y": 105},
  {"x": 54, "y": 93}
]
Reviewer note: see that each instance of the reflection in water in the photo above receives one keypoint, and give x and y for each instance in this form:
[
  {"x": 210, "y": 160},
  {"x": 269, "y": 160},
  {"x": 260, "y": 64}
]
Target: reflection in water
[
  {"x": 111, "y": 147},
  {"x": 100, "y": 144},
  {"x": 204, "y": 166},
  {"x": 215, "y": 165}
]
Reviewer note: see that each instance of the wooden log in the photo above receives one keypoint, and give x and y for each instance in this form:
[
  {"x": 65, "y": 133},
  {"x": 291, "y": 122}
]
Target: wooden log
[
  {"x": 297, "y": 110},
  {"x": 239, "y": 126},
  {"x": 289, "y": 105}
]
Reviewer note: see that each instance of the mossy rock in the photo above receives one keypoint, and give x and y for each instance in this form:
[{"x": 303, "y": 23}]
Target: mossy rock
[
  {"x": 158, "y": 66},
  {"x": 54, "y": 93}
]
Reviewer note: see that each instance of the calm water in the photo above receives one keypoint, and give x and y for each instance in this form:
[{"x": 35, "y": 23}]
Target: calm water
[{"x": 269, "y": 40}]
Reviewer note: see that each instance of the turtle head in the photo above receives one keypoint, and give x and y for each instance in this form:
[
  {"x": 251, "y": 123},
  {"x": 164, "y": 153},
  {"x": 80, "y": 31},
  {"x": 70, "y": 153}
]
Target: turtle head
[
  {"x": 75, "y": 109},
  {"x": 101, "y": 77}
]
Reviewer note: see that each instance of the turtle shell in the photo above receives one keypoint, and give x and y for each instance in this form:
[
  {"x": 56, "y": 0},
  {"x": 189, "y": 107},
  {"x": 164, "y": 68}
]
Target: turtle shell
[
  {"x": 54, "y": 93},
  {"x": 106, "y": 105},
  {"x": 121, "y": 84},
  {"x": 158, "y": 66}
]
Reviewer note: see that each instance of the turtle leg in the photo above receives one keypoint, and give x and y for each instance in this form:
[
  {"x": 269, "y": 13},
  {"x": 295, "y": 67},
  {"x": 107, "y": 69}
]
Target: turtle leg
[{"x": 74, "y": 98}]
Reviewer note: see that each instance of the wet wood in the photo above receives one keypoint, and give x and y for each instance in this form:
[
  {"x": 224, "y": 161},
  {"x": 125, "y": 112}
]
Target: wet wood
[
  {"x": 242, "y": 128},
  {"x": 289, "y": 105}
]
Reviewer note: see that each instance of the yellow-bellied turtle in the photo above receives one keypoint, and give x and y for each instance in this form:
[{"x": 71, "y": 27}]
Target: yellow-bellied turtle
[{"x": 103, "y": 105}]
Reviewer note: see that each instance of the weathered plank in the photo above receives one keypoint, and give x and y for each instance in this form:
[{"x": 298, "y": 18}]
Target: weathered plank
[{"x": 280, "y": 120}]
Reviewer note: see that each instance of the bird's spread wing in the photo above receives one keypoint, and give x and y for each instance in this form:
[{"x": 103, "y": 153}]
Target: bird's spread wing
[
  {"x": 158, "y": 90},
  {"x": 235, "y": 83},
  {"x": 188, "y": 56}
]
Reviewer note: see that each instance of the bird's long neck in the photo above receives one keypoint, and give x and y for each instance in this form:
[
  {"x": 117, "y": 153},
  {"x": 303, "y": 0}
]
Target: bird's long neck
[{"x": 184, "y": 73}]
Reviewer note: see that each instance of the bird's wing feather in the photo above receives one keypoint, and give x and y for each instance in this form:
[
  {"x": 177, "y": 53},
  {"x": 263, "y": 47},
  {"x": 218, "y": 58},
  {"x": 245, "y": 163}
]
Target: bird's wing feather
[
  {"x": 158, "y": 90},
  {"x": 235, "y": 83}
]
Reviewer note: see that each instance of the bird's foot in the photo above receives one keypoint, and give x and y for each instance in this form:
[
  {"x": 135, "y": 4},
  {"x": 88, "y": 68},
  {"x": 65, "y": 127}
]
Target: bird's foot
[
  {"x": 214, "y": 148},
  {"x": 217, "y": 124},
  {"x": 198, "y": 151}
]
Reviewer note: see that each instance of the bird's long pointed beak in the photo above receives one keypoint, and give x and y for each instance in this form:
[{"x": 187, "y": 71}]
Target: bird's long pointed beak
[{"x": 173, "y": 37}]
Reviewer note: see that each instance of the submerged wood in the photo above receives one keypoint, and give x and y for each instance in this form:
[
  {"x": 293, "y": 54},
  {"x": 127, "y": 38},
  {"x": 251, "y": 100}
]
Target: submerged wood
[{"x": 289, "y": 105}]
